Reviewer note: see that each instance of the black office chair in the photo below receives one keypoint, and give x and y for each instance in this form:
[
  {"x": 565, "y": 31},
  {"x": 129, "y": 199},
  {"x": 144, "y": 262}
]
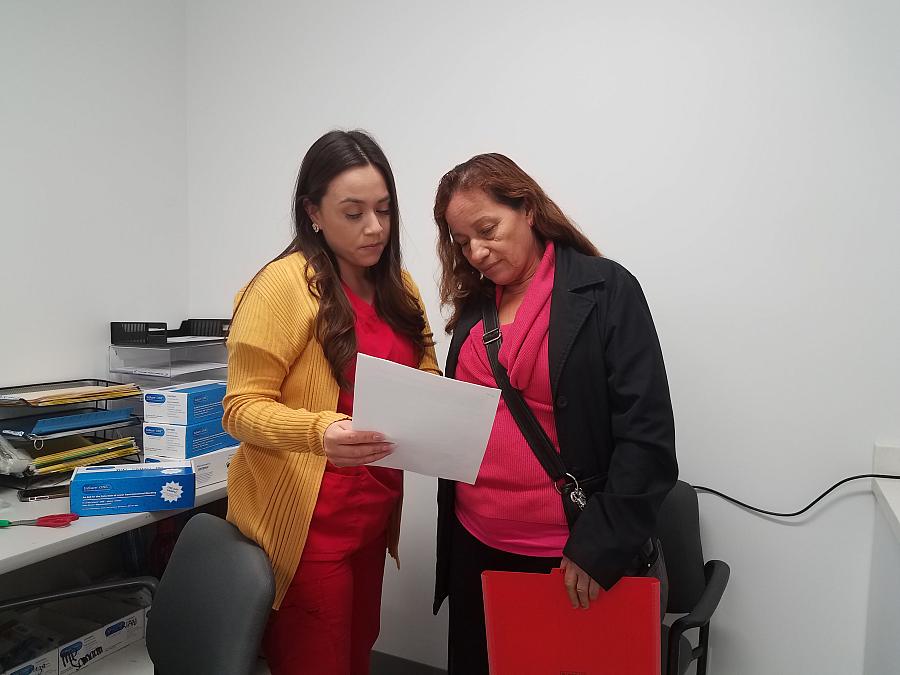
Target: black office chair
[
  {"x": 209, "y": 609},
  {"x": 212, "y": 604},
  {"x": 695, "y": 588}
]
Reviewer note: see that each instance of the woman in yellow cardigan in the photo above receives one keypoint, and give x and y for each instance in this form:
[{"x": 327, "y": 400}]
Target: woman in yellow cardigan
[{"x": 301, "y": 485}]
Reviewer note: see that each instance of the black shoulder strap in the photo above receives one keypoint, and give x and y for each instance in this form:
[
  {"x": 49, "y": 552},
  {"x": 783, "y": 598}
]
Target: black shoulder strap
[{"x": 534, "y": 433}]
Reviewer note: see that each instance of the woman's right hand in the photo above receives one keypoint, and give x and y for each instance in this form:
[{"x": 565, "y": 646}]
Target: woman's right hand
[{"x": 346, "y": 447}]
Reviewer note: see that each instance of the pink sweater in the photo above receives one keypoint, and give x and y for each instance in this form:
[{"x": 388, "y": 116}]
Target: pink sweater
[{"x": 513, "y": 506}]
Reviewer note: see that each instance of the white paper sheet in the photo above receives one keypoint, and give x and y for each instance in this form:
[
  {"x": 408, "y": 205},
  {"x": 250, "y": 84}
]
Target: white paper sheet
[{"x": 441, "y": 426}]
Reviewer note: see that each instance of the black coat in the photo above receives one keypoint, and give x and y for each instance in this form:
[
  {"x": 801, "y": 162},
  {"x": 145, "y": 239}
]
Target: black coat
[{"x": 612, "y": 408}]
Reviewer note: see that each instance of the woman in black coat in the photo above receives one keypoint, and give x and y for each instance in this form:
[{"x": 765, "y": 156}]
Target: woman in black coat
[{"x": 578, "y": 341}]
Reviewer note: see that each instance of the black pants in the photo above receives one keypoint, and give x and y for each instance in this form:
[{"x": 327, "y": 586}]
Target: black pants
[{"x": 467, "y": 644}]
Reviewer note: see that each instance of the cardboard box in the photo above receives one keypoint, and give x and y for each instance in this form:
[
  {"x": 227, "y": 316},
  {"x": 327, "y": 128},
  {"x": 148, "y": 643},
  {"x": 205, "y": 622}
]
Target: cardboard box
[
  {"x": 106, "y": 640},
  {"x": 29, "y": 645},
  {"x": 71, "y": 633},
  {"x": 210, "y": 468},
  {"x": 176, "y": 441},
  {"x": 185, "y": 403},
  {"x": 213, "y": 467},
  {"x": 46, "y": 664},
  {"x": 131, "y": 488},
  {"x": 30, "y": 639}
]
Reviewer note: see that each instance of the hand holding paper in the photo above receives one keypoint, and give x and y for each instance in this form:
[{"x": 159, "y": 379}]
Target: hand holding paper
[
  {"x": 345, "y": 446},
  {"x": 440, "y": 426}
]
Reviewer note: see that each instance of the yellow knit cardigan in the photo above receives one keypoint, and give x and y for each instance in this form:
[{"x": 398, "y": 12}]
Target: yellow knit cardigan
[{"x": 281, "y": 397}]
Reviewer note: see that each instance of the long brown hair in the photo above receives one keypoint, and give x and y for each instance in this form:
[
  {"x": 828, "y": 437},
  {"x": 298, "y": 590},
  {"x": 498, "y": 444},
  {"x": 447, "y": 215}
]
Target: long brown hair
[
  {"x": 329, "y": 156},
  {"x": 505, "y": 182}
]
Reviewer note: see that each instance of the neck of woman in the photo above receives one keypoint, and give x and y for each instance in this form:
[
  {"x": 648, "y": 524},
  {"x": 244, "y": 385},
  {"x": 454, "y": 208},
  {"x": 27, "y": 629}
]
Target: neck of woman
[
  {"x": 518, "y": 288},
  {"x": 359, "y": 281}
]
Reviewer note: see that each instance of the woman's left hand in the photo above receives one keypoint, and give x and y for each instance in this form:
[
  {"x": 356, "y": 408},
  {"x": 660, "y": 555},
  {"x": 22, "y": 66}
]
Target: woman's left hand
[{"x": 579, "y": 585}]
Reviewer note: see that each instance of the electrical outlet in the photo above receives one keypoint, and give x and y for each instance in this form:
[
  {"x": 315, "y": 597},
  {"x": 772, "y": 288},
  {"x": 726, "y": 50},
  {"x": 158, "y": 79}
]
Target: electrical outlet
[{"x": 886, "y": 458}]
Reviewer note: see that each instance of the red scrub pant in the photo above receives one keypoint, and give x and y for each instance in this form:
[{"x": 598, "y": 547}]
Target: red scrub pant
[{"x": 330, "y": 616}]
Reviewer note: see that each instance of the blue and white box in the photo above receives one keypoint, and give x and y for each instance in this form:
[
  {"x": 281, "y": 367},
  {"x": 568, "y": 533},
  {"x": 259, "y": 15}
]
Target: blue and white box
[
  {"x": 213, "y": 467},
  {"x": 210, "y": 468},
  {"x": 131, "y": 488},
  {"x": 185, "y": 403},
  {"x": 106, "y": 640},
  {"x": 177, "y": 441}
]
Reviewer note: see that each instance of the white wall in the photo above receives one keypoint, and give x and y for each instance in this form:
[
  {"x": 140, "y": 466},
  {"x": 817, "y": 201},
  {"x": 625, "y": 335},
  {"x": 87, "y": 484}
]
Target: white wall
[
  {"x": 740, "y": 158},
  {"x": 93, "y": 203}
]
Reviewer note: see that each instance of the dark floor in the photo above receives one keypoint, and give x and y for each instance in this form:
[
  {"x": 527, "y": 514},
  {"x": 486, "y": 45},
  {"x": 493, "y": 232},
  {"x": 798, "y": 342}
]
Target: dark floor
[{"x": 385, "y": 664}]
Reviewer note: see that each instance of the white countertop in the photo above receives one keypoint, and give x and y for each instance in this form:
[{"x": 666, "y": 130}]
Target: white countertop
[{"x": 24, "y": 545}]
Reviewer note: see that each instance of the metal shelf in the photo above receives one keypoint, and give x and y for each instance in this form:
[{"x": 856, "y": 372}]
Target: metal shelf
[
  {"x": 10, "y": 415},
  {"x": 61, "y": 384},
  {"x": 175, "y": 370}
]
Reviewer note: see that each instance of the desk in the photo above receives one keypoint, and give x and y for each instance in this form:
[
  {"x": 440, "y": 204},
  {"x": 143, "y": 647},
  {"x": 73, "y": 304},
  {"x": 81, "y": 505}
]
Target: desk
[{"x": 22, "y": 546}]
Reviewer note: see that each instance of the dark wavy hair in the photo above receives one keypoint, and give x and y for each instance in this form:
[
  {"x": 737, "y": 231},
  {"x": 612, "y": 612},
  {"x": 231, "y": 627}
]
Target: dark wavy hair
[
  {"x": 505, "y": 182},
  {"x": 329, "y": 156}
]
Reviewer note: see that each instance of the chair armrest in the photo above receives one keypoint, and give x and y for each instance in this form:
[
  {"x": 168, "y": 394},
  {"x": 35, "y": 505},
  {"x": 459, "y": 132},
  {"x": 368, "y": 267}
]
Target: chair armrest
[
  {"x": 149, "y": 583},
  {"x": 717, "y": 573}
]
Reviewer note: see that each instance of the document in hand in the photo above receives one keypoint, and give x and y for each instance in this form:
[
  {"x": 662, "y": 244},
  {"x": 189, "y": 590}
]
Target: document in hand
[
  {"x": 440, "y": 426},
  {"x": 532, "y": 628}
]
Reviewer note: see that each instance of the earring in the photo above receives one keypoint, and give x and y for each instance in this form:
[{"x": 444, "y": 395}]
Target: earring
[{"x": 315, "y": 228}]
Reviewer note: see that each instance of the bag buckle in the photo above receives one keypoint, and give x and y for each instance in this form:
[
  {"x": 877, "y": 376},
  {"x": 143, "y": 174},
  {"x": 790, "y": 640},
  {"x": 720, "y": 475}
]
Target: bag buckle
[
  {"x": 576, "y": 494},
  {"x": 489, "y": 336},
  {"x": 578, "y": 498}
]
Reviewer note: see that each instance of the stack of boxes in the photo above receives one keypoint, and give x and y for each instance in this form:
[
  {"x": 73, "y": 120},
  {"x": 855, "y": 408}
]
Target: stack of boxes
[
  {"x": 65, "y": 636},
  {"x": 184, "y": 422}
]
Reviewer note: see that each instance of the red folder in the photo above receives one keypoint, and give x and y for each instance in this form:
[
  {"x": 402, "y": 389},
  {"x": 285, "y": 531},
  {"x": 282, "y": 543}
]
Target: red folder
[{"x": 532, "y": 628}]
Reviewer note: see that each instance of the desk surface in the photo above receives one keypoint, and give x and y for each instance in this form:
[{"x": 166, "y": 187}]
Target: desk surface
[{"x": 21, "y": 546}]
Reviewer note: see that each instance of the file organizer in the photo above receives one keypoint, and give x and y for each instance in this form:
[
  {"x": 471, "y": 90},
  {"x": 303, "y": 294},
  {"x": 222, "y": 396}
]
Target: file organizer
[
  {"x": 159, "y": 334},
  {"x": 51, "y": 427},
  {"x": 81, "y": 421},
  {"x": 43, "y": 427}
]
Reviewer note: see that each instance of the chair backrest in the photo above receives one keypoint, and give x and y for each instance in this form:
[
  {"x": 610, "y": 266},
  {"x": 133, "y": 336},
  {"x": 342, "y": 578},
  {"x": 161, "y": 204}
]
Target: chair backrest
[
  {"x": 678, "y": 528},
  {"x": 213, "y": 602}
]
